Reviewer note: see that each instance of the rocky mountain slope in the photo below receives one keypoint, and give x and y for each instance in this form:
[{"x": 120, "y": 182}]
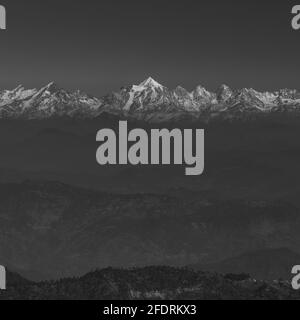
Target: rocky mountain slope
[{"x": 148, "y": 101}]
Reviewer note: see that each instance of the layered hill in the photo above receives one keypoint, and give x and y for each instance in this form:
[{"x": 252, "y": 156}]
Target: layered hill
[{"x": 51, "y": 230}]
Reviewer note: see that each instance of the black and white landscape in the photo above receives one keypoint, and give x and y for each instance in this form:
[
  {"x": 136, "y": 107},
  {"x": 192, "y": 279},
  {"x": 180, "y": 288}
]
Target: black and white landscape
[
  {"x": 73, "y": 229},
  {"x": 62, "y": 215}
]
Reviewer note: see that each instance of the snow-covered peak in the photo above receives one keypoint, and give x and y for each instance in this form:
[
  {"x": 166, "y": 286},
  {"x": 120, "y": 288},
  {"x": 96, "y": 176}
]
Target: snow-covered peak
[
  {"x": 19, "y": 93},
  {"x": 200, "y": 90},
  {"x": 18, "y": 88},
  {"x": 224, "y": 93},
  {"x": 150, "y": 82},
  {"x": 181, "y": 90},
  {"x": 51, "y": 87},
  {"x": 50, "y": 84},
  {"x": 147, "y": 92},
  {"x": 147, "y": 100},
  {"x": 224, "y": 87}
]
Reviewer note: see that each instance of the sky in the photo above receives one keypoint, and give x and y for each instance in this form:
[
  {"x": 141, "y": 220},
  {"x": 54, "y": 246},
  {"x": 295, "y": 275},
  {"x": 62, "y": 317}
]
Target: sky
[{"x": 100, "y": 46}]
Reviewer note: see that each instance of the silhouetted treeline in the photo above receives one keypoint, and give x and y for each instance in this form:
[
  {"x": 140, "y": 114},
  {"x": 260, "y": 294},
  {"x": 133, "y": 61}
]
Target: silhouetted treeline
[{"x": 149, "y": 283}]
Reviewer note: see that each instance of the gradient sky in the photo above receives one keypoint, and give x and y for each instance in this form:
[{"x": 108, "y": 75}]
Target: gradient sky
[{"x": 99, "y": 46}]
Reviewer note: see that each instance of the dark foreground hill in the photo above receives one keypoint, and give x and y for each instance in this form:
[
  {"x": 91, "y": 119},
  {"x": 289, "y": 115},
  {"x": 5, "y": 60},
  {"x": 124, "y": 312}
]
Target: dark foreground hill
[{"x": 159, "y": 283}]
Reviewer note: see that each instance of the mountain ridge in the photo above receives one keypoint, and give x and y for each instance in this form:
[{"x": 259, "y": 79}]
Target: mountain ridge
[{"x": 149, "y": 101}]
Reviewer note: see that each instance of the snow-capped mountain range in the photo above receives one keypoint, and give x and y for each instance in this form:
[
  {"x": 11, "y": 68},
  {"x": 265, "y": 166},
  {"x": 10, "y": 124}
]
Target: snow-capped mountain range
[{"x": 148, "y": 101}]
